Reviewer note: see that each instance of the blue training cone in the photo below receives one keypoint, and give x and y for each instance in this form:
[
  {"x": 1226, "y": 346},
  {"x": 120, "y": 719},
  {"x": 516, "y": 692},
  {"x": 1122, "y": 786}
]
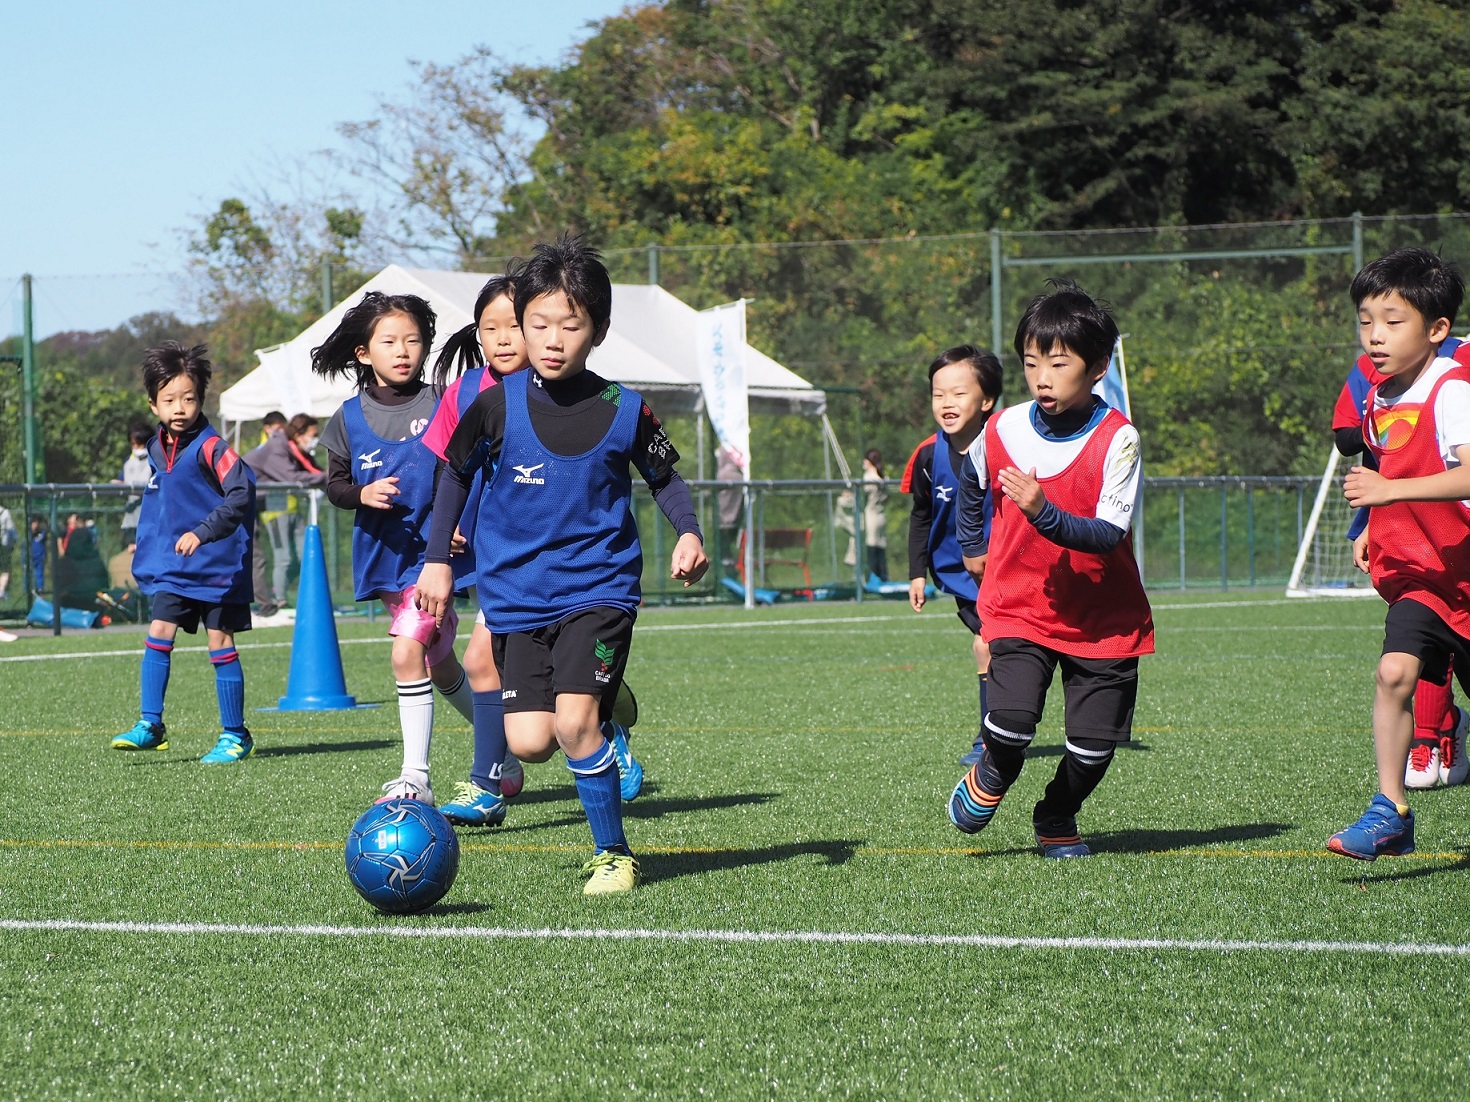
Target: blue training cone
[{"x": 315, "y": 683}]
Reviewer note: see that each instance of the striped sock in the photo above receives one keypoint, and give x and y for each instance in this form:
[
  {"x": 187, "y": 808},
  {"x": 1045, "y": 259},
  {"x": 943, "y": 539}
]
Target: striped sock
[
  {"x": 489, "y": 741},
  {"x": 461, "y": 698},
  {"x": 597, "y": 787},
  {"x": 229, "y": 688},
  {"x": 416, "y": 715},
  {"x": 157, "y": 658}
]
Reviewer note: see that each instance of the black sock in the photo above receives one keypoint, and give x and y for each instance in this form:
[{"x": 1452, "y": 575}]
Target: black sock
[{"x": 1083, "y": 764}]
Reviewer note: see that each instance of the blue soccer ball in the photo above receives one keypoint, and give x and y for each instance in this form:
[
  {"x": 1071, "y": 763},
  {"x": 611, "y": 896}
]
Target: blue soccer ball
[{"x": 402, "y": 856}]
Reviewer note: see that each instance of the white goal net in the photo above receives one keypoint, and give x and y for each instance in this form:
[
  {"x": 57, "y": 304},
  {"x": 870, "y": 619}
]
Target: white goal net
[{"x": 1324, "y": 561}]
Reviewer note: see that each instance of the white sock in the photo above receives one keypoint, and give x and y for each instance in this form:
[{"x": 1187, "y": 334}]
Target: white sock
[
  {"x": 460, "y": 696},
  {"x": 416, "y": 714}
]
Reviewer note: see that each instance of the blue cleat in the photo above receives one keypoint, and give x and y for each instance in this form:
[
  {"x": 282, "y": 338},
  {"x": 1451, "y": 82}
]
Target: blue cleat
[
  {"x": 229, "y": 748},
  {"x": 976, "y": 752},
  {"x": 1381, "y": 832},
  {"x": 143, "y": 736},
  {"x": 1058, "y": 839},
  {"x": 630, "y": 772},
  {"x": 474, "y": 806}
]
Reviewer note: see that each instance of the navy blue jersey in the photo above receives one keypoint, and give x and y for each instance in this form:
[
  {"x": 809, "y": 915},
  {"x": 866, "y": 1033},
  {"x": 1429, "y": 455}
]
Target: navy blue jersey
[
  {"x": 558, "y": 534},
  {"x": 197, "y": 488},
  {"x": 946, "y": 560},
  {"x": 388, "y": 544}
]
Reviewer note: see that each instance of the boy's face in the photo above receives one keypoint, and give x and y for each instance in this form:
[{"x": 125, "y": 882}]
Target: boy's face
[
  {"x": 559, "y": 336},
  {"x": 500, "y": 336},
  {"x": 957, "y": 399},
  {"x": 395, "y": 351},
  {"x": 176, "y": 404},
  {"x": 1397, "y": 338},
  {"x": 1059, "y": 379}
]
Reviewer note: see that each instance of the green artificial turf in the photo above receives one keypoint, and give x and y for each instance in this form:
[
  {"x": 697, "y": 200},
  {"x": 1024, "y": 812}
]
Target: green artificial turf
[{"x": 799, "y": 759}]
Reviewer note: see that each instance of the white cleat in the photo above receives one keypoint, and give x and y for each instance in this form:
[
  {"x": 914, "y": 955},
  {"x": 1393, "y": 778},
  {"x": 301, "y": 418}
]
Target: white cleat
[
  {"x": 410, "y": 786},
  {"x": 1422, "y": 770}
]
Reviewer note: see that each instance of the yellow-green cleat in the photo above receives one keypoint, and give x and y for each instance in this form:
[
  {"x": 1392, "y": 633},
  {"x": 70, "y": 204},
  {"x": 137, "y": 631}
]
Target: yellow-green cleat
[{"x": 610, "y": 873}]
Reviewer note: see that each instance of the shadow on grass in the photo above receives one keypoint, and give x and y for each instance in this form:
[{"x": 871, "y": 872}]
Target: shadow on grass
[
  {"x": 324, "y": 748},
  {"x": 657, "y": 867},
  {"x": 1153, "y": 841},
  {"x": 642, "y": 808},
  {"x": 1459, "y": 864}
]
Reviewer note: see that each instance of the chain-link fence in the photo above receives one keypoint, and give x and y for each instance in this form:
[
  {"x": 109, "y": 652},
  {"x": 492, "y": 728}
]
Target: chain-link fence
[{"x": 69, "y": 548}]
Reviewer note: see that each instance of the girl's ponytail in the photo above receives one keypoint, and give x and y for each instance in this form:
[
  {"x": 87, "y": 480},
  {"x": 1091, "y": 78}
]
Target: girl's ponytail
[{"x": 461, "y": 353}]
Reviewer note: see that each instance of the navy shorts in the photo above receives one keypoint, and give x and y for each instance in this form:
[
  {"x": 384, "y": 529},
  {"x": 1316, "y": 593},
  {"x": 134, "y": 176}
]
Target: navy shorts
[
  {"x": 969, "y": 615},
  {"x": 584, "y": 653},
  {"x": 186, "y": 613}
]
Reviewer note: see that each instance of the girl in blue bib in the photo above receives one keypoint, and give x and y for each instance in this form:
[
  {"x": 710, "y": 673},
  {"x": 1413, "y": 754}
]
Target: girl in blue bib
[{"x": 380, "y": 469}]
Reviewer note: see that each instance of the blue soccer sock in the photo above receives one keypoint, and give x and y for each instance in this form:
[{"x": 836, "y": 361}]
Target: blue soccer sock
[
  {"x": 489, "y": 741},
  {"x": 597, "y": 787},
  {"x": 229, "y": 687},
  {"x": 157, "y": 658}
]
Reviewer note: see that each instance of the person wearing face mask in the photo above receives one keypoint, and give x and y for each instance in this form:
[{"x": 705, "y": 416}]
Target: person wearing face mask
[{"x": 284, "y": 457}]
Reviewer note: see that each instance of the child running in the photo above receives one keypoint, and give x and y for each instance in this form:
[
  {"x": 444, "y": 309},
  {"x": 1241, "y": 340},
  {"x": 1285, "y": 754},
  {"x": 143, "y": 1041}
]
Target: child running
[
  {"x": 379, "y": 469},
  {"x": 1417, "y": 425},
  {"x": 964, "y": 386},
  {"x": 194, "y": 545},
  {"x": 481, "y": 354},
  {"x": 557, "y": 546},
  {"x": 1059, "y": 585},
  {"x": 1437, "y": 753}
]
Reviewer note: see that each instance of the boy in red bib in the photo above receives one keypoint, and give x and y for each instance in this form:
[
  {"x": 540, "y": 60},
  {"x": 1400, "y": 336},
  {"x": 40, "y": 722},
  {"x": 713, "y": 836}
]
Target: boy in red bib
[
  {"x": 1061, "y": 587},
  {"x": 1417, "y": 425}
]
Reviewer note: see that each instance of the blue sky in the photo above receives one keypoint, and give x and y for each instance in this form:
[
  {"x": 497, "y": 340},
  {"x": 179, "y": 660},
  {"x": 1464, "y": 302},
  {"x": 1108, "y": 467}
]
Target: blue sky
[{"x": 122, "y": 123}]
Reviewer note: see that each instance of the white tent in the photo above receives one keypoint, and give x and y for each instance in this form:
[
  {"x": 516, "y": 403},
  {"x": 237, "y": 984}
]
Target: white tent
[{"x": 651, "y": 346}]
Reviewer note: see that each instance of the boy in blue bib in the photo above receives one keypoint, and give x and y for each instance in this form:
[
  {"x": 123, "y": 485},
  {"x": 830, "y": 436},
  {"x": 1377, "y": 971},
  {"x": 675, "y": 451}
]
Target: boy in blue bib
[
  {"x": 194, "y": 547},
  {"x": 556, "y": 547}
]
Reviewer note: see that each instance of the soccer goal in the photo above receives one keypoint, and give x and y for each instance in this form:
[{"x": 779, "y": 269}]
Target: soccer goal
[{"x": 1324, "y": 561}]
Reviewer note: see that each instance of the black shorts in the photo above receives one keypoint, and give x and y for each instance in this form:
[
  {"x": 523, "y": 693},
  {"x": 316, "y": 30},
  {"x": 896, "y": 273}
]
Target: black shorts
[
  {"x": 1099, "y": 692},
  {"x": 969, "y": 615},
  {"x": 1412, "y": 628},
  {"x": 585, "y": 652},
  {"x": 187, "y": 612}
]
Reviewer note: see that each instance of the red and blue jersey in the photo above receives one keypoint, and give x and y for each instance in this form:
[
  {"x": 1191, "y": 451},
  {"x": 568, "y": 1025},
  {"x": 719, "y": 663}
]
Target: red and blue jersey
[{"x": 203, "y": 488}]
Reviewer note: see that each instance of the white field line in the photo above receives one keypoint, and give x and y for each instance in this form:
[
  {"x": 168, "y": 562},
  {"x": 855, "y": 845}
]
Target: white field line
[
  {"x": 811, "y": 623},
  {"x": 818, "y": 937}
]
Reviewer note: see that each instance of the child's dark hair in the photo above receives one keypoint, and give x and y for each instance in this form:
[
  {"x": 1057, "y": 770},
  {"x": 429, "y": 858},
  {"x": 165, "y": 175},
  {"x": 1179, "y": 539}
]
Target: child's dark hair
[
  {"x": 462, "y": 351},
  {"x": 574, "y": 268},
  {"x": 1068, "y": 317},
  {"x": 138, "y": 436},
  {"x": 1424, "y": 279},
  {"x": 986, "y": 365},
  {"x": 875, "y": 457},
  {"x": 171, "y": 359},
  {"x": 337, "y": 355},
  {"x": 273, "y": 418}
]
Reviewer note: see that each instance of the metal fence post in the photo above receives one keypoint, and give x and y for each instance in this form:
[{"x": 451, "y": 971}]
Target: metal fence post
[
  {"x": 1182, "y": 578},
  {"x": 1224, "y": 521}
]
